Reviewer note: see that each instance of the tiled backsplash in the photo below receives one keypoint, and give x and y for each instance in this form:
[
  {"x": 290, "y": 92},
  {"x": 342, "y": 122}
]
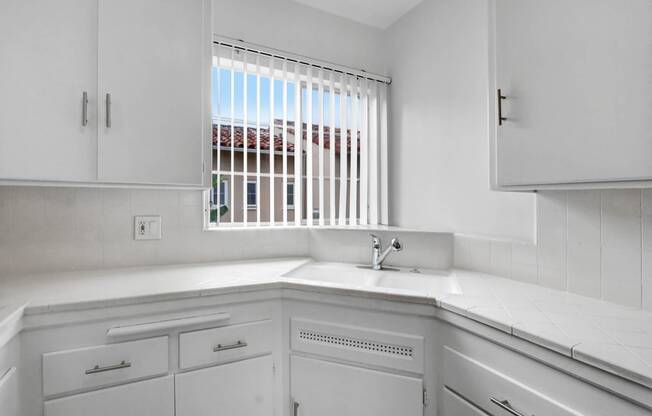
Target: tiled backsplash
[
  {"x": 593, "y": 243},
  {"x": 58, "y": 229},
  {"x": 53, "y": 229}
]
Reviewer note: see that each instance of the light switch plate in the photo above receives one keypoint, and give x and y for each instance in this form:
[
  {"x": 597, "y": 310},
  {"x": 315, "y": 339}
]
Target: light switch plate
[{"x": 147, "y": 227}]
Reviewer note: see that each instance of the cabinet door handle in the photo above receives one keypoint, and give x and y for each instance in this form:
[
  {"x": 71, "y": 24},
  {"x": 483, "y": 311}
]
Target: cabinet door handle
[
  {"x": 98, "y": 369},
  {"x": 220, "y": 347},
  {"x": 295, "y": 407},
  {"x": 506, "y": 406},
  {"x": 501, "y": 97},
  {"x": 84, "y": 109},
  {"x": 108, "y": 110}
]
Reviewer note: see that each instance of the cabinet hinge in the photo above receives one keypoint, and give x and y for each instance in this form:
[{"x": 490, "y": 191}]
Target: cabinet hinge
[{"x": 425, "y": 397}]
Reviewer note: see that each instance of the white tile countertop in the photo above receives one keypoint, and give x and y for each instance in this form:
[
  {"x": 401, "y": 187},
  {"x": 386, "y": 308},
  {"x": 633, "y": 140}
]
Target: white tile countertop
[{"x": 614, "y": 338}]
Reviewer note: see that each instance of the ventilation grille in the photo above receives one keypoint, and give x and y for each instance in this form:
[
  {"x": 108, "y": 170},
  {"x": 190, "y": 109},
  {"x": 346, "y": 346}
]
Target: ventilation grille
[{"x": 356, "y": 344}]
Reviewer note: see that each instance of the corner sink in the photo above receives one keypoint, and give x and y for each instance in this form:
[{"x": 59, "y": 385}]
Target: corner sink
[{"x": 350, "y": 275}]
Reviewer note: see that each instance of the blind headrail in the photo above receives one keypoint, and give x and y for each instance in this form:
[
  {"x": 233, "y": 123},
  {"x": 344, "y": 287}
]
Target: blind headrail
[{"x": 240, "y": 44}]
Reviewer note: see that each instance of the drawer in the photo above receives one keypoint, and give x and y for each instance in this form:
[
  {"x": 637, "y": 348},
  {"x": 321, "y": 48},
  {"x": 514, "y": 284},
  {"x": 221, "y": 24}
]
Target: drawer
[
  {"x": 218, "y": 345},
  {"x": 499, "y": 394},
  {"x": 454, "y": 405},
  {"x": 86, "y": 368}
]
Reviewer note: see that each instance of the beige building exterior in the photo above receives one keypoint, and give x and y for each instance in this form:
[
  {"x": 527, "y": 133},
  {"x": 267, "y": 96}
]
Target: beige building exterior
[{"x": 232, "y": 189}]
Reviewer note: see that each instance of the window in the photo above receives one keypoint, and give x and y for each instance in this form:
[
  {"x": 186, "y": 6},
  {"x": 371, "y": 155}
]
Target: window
[
  {"x": 290, "y": 196},
  {"x": 298, "y": 143},
  {"x": 252, "y": 195}
]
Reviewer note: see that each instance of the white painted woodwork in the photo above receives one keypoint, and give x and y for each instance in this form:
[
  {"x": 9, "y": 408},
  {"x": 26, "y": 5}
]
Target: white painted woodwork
[
  {"x": 48, "y": 58},
  {"x": 152, "y": 60},
  {"x": 65, "y": 371},
  {"x": 376, "y": 347},
  {"x": 478, "y": 381},
  {"x": 323, "y": 388},
  {"x": 577, "y": 79},
  {"x": 9, "y": 393},
  {"x": 198, "y": 347},
  {"x": 454, "y": 405},
  {"x": 243, "y": 388},
  {"x": 156, "y": 327},
  {"x": 145, "y": 398}
]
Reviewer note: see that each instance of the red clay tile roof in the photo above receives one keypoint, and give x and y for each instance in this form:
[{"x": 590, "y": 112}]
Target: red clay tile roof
[{"x": 225, "y": 138}]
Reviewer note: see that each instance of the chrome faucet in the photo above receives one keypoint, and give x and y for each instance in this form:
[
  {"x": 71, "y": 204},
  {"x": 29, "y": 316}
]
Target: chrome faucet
[{"x": 378, "y": 256}]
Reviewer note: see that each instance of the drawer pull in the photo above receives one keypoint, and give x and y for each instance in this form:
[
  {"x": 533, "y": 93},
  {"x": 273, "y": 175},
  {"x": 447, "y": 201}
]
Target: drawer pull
[
  {"x": 98, "y": 369},
  {"x": 506, "y": 406},
  {"x": 220, "y": 347}
]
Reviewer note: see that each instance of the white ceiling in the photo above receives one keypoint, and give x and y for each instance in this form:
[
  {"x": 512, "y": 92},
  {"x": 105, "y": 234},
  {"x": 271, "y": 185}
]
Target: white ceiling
[{"x": 378, "y": 13}]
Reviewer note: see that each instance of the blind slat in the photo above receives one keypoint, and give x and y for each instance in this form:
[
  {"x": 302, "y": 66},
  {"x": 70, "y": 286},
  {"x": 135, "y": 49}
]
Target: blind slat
[
  {"x": 232, "y": 207},
  {"x": 258, "y": 170},
  {"x": 285, "y": 142},
  {"x": 272, "y": 218},
  {"x": 343, "y": 149},
  {"x": 364, "y": 154},
  {"x": 331, "y": 143},
  {"x": 298, "y": 148},
  {"x": 309, "y": 205},
  {"x": 373, "y": 156},
  {"x": 320, "y": 111},
  {"x": 384, "y": 177},
  {"x": 245, "y": 141},
  {"x": 353, "y": 198}
]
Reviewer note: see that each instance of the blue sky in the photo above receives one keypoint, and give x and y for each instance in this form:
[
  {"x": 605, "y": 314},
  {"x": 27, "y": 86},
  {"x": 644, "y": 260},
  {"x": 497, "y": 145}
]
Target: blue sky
[{"x": 221, "y": 98}]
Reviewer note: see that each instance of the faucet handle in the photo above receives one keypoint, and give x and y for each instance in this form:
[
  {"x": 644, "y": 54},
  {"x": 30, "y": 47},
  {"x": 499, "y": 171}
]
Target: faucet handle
[{"x": 375, "y": 240}]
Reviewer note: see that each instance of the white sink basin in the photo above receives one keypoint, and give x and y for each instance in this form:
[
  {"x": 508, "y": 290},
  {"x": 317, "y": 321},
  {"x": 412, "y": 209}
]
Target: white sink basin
[{"x": 350, "y": 275}]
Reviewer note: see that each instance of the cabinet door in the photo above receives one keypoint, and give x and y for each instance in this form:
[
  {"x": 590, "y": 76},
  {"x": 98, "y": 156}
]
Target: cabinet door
[
  {"x": 48, "y": 58},
  {"x": 145, "y": 398},
  {"x": 9, "y": 393},
  {"x": 321, "y": 388},
  {"x": 578, "y": 86},
  {"x": 243, "y": 388},
  {"x": 153, "y": 56}
]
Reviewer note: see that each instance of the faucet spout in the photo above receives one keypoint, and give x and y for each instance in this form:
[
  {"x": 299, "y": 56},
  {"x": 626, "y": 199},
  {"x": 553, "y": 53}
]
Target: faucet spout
[{"x": 378, "y": 255}]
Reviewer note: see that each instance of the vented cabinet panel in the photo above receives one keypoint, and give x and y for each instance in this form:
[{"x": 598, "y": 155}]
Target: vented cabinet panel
[{"x": 361, "y": 345}]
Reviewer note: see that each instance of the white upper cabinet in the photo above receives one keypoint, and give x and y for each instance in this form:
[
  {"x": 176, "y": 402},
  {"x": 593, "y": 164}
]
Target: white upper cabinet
[
  {"x": 48, "y": 59},
  {"x": 577, "y": 80},
  {"x": 151, "y": 57},
  {"x": 154, "y": 56}
]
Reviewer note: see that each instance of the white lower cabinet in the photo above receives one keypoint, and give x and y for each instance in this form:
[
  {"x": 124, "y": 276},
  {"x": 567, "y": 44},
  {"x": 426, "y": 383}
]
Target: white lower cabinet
[
  {"x": 243, "y": 388},
  {"x": 502, "y": 382},
  {"x": 322, "y": 388},
  {"x": 146, "y": 398}
]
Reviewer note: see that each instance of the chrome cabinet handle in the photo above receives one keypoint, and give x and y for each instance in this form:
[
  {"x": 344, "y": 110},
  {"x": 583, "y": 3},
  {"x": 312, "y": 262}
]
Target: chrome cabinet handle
[
  {"x": 296, "y": 408},
  {"x": 506, "y": 406},
  {"x": 220, "y": 347},
  {"x": 108, "y": 110},
  {"x": 84, "y": 109},
  {"x": 98, "y": 369},
  {"x": 501, "y": 97}
]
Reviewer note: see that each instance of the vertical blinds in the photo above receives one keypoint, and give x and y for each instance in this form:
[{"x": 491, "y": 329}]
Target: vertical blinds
[{"x": 296, "y": 143}]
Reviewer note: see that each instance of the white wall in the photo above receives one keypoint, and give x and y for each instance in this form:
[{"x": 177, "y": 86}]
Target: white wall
[
  {"x": 438, "y": 59},
  {"x": 292, "y": 27}
]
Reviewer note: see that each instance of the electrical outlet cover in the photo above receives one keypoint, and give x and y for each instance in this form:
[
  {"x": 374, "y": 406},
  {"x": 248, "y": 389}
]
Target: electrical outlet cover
[{"x": 147, "y": 227}]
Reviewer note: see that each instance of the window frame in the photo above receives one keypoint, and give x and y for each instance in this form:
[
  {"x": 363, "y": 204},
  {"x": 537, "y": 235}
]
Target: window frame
[{"x": 255, "y": 184}]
